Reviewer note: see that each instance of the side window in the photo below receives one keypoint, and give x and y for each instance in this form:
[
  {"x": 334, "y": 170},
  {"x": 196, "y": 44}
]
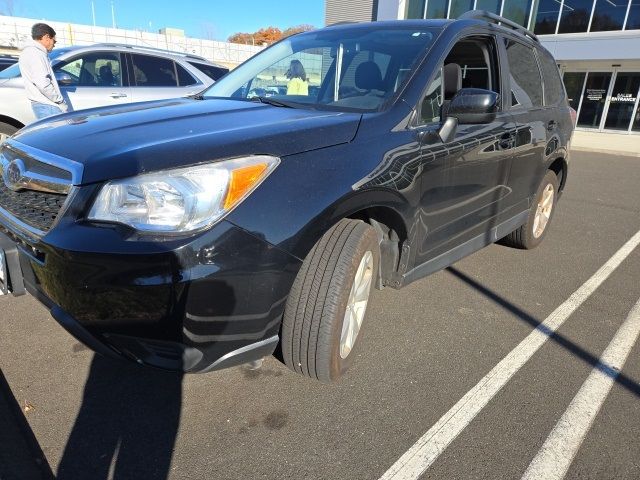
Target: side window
[
  {"x": 476, "y": 58},
  {"x": 214, "y": 73},
  {"x": 153, "y": 71},
  {"x": 553, "y": 90},
  {"x": 471, "y": 63},
  {"x": 526, "y": 83},
  {"x": 101, "y": 69},
  {"x": 432, "y": 101},
  {"x": 185, "y": 79}
]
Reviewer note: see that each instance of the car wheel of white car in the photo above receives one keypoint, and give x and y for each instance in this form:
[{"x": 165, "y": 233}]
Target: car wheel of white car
[
  {"x": 6, "y": 131},
  {"x": 327, "y": 303},
  {"x": 530, "y": 234}
]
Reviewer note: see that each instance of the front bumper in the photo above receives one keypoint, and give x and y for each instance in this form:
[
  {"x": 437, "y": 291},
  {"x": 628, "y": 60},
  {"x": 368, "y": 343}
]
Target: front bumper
[{"x": 200, "y": 304}]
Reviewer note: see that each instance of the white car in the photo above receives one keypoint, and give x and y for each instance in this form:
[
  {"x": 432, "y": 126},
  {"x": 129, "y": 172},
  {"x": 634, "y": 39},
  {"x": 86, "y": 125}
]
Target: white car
[{"x": 108, "y": 74}]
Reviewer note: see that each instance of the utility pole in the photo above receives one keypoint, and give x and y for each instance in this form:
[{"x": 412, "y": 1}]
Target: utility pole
[
  {"x": 93, "y": 13},
  {"x": 113, "y": 15}
]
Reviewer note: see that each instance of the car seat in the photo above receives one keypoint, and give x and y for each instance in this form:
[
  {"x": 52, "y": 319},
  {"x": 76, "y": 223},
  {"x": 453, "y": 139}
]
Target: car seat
[
  {"x": 452, "y": 83},
  {"x": 106, "y": 75},
  {"x": 368, "y": 77}
]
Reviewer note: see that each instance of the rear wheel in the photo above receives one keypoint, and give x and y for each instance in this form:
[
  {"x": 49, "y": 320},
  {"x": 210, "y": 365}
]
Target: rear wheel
[
  {"x": 6, "y": 131},
  {"x": 541, "y": 211},
  {"x": 327, "y": 303}
]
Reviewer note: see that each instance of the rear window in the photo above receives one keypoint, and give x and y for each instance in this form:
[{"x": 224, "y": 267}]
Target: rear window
[
  {"x": 526, "y": 83},
  {"x": 213, "y": 72},
  {"x": 553, "y": 89}
]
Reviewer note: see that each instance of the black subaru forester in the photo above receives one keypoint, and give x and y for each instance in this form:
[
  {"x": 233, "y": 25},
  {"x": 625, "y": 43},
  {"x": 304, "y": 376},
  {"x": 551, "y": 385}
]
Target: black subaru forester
[{"x": 200, "y": 233}]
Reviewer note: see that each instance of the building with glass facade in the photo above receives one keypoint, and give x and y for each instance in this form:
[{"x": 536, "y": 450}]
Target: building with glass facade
[{"x": 596, "y": 44}]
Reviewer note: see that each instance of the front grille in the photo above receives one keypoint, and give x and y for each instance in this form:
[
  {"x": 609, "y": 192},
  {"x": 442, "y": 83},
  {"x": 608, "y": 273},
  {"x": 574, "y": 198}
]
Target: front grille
[{"x": 37, "y": 209}]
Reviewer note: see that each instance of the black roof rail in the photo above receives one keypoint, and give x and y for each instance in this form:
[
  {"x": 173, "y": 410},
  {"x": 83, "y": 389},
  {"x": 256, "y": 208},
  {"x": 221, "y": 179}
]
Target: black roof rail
[{"x": 492, "y": 17}]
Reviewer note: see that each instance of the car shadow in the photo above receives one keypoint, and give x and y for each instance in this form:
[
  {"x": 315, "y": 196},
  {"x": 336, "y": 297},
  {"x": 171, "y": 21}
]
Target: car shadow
[
  {"x": 127, "y": 424},
  {"x": 20, "y": 454},
  {"x": 623, "y": 380}
]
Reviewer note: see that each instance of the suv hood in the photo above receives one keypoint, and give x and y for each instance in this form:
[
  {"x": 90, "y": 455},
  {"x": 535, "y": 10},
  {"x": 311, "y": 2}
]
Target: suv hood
[{"x": 118, "y": 142}]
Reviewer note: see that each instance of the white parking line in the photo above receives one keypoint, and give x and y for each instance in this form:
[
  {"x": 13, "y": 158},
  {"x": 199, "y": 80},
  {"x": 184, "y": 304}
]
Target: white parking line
[
  {"x": 557, "y": 453},
  {"x": 429, "y": 447}
]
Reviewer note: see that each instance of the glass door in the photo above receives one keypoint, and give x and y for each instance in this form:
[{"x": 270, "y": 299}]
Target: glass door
[
  {"x": 594, "y": 99},
  {"x": 622, "y": 101}
]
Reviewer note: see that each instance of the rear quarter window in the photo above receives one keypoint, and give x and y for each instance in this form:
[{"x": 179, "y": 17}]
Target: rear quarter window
[
  {"x": 553, "y": 89},
  {"x": 211, "y": 71},
  {"x": 525, "y": 79}
]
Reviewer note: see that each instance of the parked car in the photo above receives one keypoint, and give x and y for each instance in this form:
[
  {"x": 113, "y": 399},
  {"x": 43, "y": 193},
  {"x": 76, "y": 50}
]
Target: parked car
[
  {"x": 108, "y": 74},
  {"x": 7, "y": 60},
  {"x": 200, "y": 233}
]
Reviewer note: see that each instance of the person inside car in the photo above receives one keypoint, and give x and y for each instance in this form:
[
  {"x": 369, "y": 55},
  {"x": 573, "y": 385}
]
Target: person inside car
[{"x": 297, "y": 84}]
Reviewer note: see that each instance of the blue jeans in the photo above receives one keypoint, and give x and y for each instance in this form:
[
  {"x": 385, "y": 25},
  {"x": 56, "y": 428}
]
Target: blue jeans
[{"x": 43, "y": 110}]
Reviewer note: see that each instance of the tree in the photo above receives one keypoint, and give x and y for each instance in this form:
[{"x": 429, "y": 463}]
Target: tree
[
  {"x": 267, "y": 35},
  {"x": 297, "y": 29}
]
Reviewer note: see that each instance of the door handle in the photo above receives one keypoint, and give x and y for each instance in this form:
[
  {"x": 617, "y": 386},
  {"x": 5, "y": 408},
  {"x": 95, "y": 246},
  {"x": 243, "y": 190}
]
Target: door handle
[
  {"x": 118, "y": 95},
  {"x": 552, "y": 125}
]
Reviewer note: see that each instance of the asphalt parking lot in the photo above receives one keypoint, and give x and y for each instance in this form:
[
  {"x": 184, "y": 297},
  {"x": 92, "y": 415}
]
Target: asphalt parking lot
[{"x": 439, "y": 352}]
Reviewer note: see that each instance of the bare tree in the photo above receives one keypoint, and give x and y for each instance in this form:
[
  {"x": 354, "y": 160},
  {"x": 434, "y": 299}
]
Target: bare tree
[
  {"x": 7, "y": 7},
  {"x": 208, "y": 30}
]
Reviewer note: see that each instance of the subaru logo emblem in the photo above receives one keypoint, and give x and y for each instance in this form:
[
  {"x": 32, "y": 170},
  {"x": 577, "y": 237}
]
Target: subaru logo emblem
[{"x": 12, "y": 175}]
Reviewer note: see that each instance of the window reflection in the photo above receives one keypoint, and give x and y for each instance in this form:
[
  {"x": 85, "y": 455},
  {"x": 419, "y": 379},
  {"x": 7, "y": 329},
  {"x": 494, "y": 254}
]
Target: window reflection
[
  {"x": 609, "y": 15},
  {"x": 414, "y": 9},
  {"x": 633, "y": 22},
  {"x": 546, "y": 16},
  {"x": 518, "y": 11},
  {"x": 437, "y": 8},
  {"x": 575, "y": 16},
  {"x": 623, "y": 100},
  {"x": 593, "y": 99},
  {"x": 492, "y": 6},
  {"x": 573, "y": 83},
  {"x": 458, "y": 7}
]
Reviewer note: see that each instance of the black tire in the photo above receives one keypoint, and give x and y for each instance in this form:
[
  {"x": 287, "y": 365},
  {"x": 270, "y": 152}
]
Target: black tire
[
  {"x": 315, "y": 310},
  {"x": 6, "y": 130},
  {"x": 524, "y": 237}
]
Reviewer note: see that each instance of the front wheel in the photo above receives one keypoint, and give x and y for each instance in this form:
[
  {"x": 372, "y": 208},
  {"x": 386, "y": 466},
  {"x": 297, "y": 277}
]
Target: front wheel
[
  {"x": 530, "y": 234},
  {"x": 327, "y": 303}
]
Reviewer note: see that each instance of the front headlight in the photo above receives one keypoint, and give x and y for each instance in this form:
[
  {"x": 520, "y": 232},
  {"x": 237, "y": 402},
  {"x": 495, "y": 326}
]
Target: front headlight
[{"x": 181, "y": 200}]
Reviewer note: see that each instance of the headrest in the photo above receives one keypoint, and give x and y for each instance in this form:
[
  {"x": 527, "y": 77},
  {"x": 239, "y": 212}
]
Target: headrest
[
  {"x": 368, "y": 76},
  {"x": 452, "y": 80}
]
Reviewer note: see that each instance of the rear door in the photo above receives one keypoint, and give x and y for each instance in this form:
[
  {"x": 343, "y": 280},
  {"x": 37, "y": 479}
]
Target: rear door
[
  {"x": 534, "y": 121},
  {"x": 94, "y": 79},
  {"x": 465, "y": 194},
  {"x": 157, "y": 78}
]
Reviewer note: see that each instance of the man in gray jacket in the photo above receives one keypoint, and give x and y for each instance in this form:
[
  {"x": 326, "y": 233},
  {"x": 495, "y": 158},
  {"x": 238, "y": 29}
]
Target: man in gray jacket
[{"x": 39, "y": 80}]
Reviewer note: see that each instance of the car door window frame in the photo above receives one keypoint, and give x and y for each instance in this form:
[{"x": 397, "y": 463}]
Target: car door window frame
[
  {"x": 123, "y": 76},
  {"x": 495, "y": 73},
  {"x": 134, "y": 82},
  {"x": 507, "y": 80}
]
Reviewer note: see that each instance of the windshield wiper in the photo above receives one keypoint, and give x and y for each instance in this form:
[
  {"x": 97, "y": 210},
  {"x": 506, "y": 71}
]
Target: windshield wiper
[
  {"x": 197, "y": 96},
  {"x": 274, "y": 102}
]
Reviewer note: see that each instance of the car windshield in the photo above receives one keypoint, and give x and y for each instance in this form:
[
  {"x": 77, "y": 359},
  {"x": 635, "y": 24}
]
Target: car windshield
[
  {"x": 14, "y": 70},
  {"x": 352, "y": 69}
]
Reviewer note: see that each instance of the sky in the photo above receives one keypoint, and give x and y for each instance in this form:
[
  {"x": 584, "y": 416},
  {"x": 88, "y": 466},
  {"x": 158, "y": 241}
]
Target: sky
[{"x": 212, "y": 19}]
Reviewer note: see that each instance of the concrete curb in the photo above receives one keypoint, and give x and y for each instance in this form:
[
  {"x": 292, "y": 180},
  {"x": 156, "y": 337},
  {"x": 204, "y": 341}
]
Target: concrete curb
[{"x": 606, "y": 151}]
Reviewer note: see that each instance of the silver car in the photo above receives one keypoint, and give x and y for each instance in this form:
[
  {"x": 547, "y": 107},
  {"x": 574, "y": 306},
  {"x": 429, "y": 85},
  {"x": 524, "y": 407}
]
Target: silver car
[{"x": 108, "y": 74}]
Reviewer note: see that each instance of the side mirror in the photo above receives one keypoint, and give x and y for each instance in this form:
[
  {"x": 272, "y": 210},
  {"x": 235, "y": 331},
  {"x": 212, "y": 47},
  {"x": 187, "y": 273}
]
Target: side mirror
[
  {"x": 64, "y": 78},
  {"x": 474, "y": 105}
]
